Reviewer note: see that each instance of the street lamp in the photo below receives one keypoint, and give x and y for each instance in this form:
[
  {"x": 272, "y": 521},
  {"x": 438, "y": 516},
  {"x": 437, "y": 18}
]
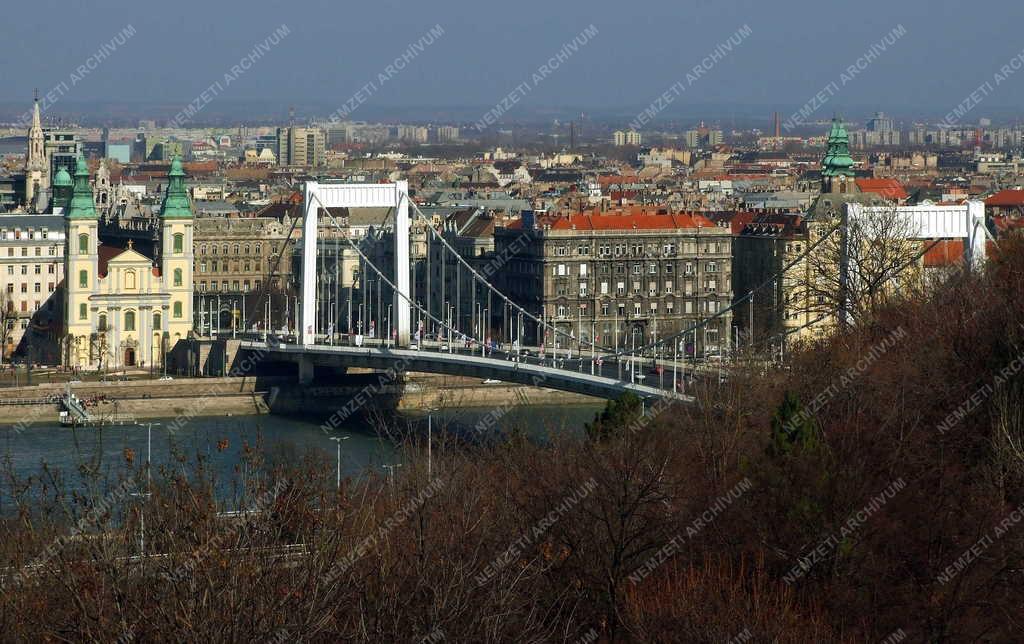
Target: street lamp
[
  {"x": 391, "y": 475},
  {"x": 338, "y": 440}
]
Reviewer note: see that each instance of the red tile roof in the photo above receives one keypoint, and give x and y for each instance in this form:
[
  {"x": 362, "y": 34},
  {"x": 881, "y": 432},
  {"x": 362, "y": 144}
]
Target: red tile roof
[
  {"x": 632, "y": 222},
  {"x": 1006, "y": 198},
  {"x": 107, "y": 253},
  {"x": 888, "y": 188}
]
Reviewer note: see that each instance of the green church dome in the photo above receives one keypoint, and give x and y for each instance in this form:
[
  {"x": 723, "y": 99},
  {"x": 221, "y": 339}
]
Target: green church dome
[{"x": 82, "y": 206}]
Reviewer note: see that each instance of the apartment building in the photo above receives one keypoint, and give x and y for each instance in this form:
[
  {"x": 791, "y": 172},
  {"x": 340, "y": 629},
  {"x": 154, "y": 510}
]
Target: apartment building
[
  {"x": 623, "y": 280},
  {"x": 32, "y": 266}
]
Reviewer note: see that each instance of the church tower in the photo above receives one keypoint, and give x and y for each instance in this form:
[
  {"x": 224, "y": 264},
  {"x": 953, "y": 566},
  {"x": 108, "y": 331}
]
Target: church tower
[
  {"x": 80, "y": 267},
  {"x": 37, "y": 169},
  {"x": 103, "y": 191},
  {"x": 837, "y": 167},
  {"x": 176, "y": 227}
]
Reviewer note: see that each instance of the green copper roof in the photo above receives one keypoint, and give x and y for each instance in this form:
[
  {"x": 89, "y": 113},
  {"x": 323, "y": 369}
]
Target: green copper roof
[
  {"x": 62, "y": 178},
  {"x": 837, "y": 161},
  {"x": 82, "y": 206},
  {"x": 176, "y": 203}
]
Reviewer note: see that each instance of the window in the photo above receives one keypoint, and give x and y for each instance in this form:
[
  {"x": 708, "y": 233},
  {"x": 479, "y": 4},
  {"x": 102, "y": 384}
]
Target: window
[
  {"x": 712, "y": 267},
  {"x": 637, "y": 269},
  {"x": 83, "y": 311},
  {"x": 654, "y": 308},
  {"x": 583, "y": 270},
  {"x": 213, "y": 249},
  {"x": 620, "y": 288},
  {"x": 636, "y": 288},
  {"x": 246, "y": 249},
  {"x": 583, "y": 289},
  {"x": 259, "y": 249},
  {"x": 668, "y": 268},
  {"x": 202, "y": 249},
  {"x": 652, "y": 288},
  {"x": 39, "y": 251},
  {"x": 636, "y": 308},
  {"x": 102, "y": 325},
  {"x": 236, "y": 249},
  {"x": 83, "y": 244},
  {"x": 177, "y": 309},
  {"x": 668, "y": 286},
  {"x": 689, "y": 306},
  {"x": 38, "y": 269},
  {"x": 652, "y": 269},
  {"x": 669, "y": 306},
  {"x": 561, "y": 310},
  {"x": 51, "y": 269},
  {"x": 604, "y": 308},
  {"x": 38, "y": 288},
  {"x": 24, "y": 288},
  {"x": 179, "y": 243},
  {"x": 177, "y": 277},
  {"x": 157, "y": 322},
  {"x": 129, "y": 321},
  {"x": 83, "y": 279},
  {"x": 604, "y": 288},
  {"x": 202, "y": 267},
  {"x": 562, "y": 270},
  {"x": 688, "y": 268}
]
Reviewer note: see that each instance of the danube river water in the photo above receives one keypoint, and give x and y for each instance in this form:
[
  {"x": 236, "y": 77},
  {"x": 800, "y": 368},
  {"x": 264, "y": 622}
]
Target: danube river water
[{"x": 220, "y": 442}]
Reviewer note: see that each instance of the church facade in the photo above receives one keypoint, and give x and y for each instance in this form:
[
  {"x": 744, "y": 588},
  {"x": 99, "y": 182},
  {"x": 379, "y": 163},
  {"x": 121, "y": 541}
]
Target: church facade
[{"x": 124, "y": 309}]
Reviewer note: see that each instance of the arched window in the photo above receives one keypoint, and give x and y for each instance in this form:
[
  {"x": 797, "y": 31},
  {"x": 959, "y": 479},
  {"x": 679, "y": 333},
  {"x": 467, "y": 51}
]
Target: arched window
[
  {"x": 157, "y": 322},
  {"x": 177, "y": 309},
  {"x": 83, "y": 311},
  {"x": 103, "y": 322},
  {"x": 202, "y": 249},
  {"x": 179, "y": 243},
  {"x": 236, "y": 249},
  {"x": 213, "y": 249},
  {"x": 177, "y": 277},
  {"x": 83, "y": 279},
  {"x": 224, "y": 249},
  {"x": 129, "y": 280},
  {"x": 129, "y": 321},
  {"x": 259, "y": 248},
  {"x": 83, "y": 244},
  {"x": 246, "y": 248}
]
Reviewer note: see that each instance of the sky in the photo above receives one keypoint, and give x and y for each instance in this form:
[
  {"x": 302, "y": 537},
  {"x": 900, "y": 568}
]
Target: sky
[{"x": 636, "y": 51}]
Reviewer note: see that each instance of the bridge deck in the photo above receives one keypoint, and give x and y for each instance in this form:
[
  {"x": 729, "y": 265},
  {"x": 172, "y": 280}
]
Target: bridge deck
[{"x": 459, "y": 364}]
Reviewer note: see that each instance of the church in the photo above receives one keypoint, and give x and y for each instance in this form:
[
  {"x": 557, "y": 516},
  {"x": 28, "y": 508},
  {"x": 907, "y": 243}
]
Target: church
[{"x": 124, "y": 309}]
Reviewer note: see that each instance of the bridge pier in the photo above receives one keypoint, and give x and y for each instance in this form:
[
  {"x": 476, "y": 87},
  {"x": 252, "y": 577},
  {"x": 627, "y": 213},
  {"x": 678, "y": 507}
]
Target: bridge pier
[{"x": 305, "y": 370}]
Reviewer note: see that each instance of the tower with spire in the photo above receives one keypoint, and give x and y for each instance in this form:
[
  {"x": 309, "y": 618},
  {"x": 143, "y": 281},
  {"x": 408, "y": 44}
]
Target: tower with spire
[
  {"x": 37, "y": 168},
  {"x": 837, "y": 166},
  {"x": 176, "y": 230}
]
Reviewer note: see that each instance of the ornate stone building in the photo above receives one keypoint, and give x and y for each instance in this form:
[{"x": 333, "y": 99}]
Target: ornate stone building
[
  {"x": 124, "y": 308},
  {"x": 623, "y": 280}
]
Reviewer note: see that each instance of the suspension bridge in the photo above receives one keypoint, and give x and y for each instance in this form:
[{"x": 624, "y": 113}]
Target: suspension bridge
[{"x": 442, "y": 319}]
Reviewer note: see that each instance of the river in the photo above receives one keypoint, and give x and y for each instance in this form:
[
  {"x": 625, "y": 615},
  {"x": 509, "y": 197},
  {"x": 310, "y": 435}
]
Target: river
[{"x": 220, "y": 442}]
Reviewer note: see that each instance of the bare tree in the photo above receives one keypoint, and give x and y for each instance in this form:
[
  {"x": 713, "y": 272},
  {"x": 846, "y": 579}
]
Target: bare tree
[{"x": 868, "y": 261}]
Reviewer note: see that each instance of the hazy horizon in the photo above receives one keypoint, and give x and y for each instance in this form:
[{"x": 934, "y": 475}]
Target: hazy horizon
[{"x": 331, "y": 56}]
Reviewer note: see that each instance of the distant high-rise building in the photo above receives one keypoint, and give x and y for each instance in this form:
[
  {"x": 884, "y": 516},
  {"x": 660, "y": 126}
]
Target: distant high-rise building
[
  {"x": 881, "y": 123},
  {"x": 631, "y": 137},
  {"x": 447, "y": 133},
  {"x": 703, "y": 137},
  {"x": 303, "y": 146}
]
